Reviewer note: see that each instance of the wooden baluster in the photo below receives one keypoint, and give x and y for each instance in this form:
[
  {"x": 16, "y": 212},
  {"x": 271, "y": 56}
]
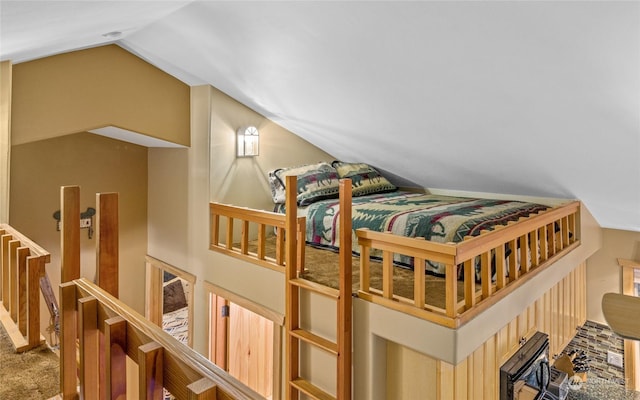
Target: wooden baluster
[
  {"x": 12, "y": 306},
  {"x": 244, "y": 235},
  {"x": 280, "y": 246},
  {"x": 387, "y": 274},
  {"x": 535, "y": 248},
  {"x": 544, "y": 246},
  {"x": 23, "y": 300},
  {"x": 565, "y": 232},
  {"x": 501, "y": 278},
  {"x": 365, "y": 268},
  {"x": 229, "y": 233},
  {"x": 513, "y": 261},
  {"x": 451, "y": 290},
  {"x": 551, "y": 239},
  {"x": 485, "y": 274},
  {"x": 150, "y": 371},
  {"x": 302, "y": 226},
  {"x": 68, "y": 335},
  {"x": 469, "y": 284},
  {"x": 115, "y": 337},
  {"x": 262, "y": 239},
  {"x": 89, "y": 350},
  {"x": 6, "y": 277},
  {"x": 215, "y": 230},
  {"x": 572, "y": 228},
  {"x": 524, "y": 254},
  {"x": 35, "y": 270},
  {"x": 419, "y": 281}
]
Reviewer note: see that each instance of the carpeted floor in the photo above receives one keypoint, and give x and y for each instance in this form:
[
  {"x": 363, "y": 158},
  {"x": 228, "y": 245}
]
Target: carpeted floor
[{"x": 32, "y": 375}]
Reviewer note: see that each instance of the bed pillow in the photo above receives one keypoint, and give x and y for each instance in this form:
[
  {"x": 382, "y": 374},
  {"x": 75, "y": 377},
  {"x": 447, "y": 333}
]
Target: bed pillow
[
  {"x": 364, "y": 178},
  {"x": 315, "y": 182}
]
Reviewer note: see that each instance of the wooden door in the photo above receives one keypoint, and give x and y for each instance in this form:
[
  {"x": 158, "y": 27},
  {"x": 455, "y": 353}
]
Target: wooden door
[{"x": 250, "y": 349}]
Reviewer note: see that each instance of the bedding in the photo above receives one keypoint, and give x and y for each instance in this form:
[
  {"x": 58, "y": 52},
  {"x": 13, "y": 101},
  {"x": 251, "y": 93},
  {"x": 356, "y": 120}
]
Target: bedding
[{"x": 434, "y": 217}]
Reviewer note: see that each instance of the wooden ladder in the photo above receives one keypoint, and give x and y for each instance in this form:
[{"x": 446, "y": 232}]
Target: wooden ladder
[{"x": 341, "y": 349}]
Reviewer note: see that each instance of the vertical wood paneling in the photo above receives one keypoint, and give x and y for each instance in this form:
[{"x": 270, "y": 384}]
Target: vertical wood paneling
[{"x": 557, "y": 312}]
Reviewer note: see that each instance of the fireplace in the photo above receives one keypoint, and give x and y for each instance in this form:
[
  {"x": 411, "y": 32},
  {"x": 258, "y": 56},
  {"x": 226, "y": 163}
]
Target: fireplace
[{"x": 527, "y": 375}]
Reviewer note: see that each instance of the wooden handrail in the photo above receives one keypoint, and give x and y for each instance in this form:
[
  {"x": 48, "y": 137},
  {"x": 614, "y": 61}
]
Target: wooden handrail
[
  {"x": 184, "y": 372},
  {"x": 22, "y": 264},
  {"x": 261, "y": 219}
]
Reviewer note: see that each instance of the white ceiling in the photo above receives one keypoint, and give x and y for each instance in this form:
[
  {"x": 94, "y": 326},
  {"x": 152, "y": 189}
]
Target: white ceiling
[{"x": 528, "y": 98}]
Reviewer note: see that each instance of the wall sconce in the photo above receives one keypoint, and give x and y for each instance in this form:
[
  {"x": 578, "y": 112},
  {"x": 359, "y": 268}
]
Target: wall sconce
[{"x": 248, "y": 141}]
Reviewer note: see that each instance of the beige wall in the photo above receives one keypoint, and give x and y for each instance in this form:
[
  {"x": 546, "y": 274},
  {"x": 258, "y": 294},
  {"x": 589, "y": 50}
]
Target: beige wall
[
  {"x": 183, "y": 182},
  {"x": 87, "y": 89},
  {"x": 603, "y": 273},
  {"x": 96, "y": 164}
]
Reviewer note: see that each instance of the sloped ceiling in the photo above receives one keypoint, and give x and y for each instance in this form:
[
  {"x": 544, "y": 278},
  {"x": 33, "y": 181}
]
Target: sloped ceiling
[{"x": 528, "y": 98}]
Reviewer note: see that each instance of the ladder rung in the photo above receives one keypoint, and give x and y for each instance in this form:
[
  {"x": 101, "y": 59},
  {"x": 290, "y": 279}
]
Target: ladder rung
[
  {"x": 315, "y": 287},
  {"x": 312, "y": 391},
  {"x": 316, "y": 340}
]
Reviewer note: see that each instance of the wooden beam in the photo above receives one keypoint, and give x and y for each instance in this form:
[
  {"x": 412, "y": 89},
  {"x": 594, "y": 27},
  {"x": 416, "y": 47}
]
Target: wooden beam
[
  {"x": 70, "y": 229},
  {"x": 107, "y": 250}
]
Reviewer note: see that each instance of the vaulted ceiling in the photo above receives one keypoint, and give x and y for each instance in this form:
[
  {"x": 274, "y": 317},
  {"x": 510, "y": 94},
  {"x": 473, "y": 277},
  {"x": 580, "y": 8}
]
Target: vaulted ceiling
[{"x": 528, "y": 98}]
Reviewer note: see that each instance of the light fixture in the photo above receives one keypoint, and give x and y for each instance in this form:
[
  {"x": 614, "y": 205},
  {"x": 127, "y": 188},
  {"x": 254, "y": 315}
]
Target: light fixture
[{"x": 248, "y": 141}]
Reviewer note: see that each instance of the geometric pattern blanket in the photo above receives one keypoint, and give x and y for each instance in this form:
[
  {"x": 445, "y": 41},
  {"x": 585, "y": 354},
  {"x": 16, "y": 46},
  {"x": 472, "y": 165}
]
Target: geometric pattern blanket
[{"x": 434, "y": 217}]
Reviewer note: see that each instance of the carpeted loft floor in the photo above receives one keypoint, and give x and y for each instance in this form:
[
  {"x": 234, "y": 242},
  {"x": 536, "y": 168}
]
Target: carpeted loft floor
[
  {"x": 322, "y": 267},
  {"x": 32, "y": 375}
]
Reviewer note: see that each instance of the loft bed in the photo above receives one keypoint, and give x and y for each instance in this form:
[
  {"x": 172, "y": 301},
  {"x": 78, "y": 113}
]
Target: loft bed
[{"x": 476, "y": 249}]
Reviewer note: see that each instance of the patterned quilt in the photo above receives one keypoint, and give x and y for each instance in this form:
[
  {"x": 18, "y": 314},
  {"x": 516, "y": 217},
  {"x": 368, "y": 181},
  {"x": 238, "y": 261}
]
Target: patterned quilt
[{"x": 433, "y": 217}]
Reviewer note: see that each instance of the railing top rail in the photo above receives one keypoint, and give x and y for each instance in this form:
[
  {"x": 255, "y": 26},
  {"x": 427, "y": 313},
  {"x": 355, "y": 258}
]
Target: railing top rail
[
  {"x": 33, "y": 246},
  {"x": 190, "y": 357},
  {"x": 490, "y": 240},
  {"x": 249, "y": 214},
  {"x": 416, "y": 244}
]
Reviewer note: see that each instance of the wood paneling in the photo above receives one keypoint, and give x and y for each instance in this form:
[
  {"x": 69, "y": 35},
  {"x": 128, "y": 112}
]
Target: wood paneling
[{"x": 558, "y": 312}]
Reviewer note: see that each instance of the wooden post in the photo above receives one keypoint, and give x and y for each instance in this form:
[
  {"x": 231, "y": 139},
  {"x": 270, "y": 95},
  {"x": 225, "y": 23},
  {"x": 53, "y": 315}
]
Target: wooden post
[
  {"x": 203, "y": 389},
  {"x": 5, "y": 269},
  {"x": 115, "y": 331},
  {"x": 89, "y": 349},
  {"x": 107, "y": 251},
  {"x": 345, "y": 286},
  {"x": 68, "y": 336},
  {"x": 150, "y": 368},
  {"x": 292, "y": 294},
  {"x": 70, "y": 233}
]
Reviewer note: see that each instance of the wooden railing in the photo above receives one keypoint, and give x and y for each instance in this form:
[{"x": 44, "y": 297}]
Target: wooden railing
[
  {"x": 110, "y": 331},
  {"x": 535, "y": 243},
  {"x": 22, "y": 264},
  {"x": 260, "y": 220}
]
